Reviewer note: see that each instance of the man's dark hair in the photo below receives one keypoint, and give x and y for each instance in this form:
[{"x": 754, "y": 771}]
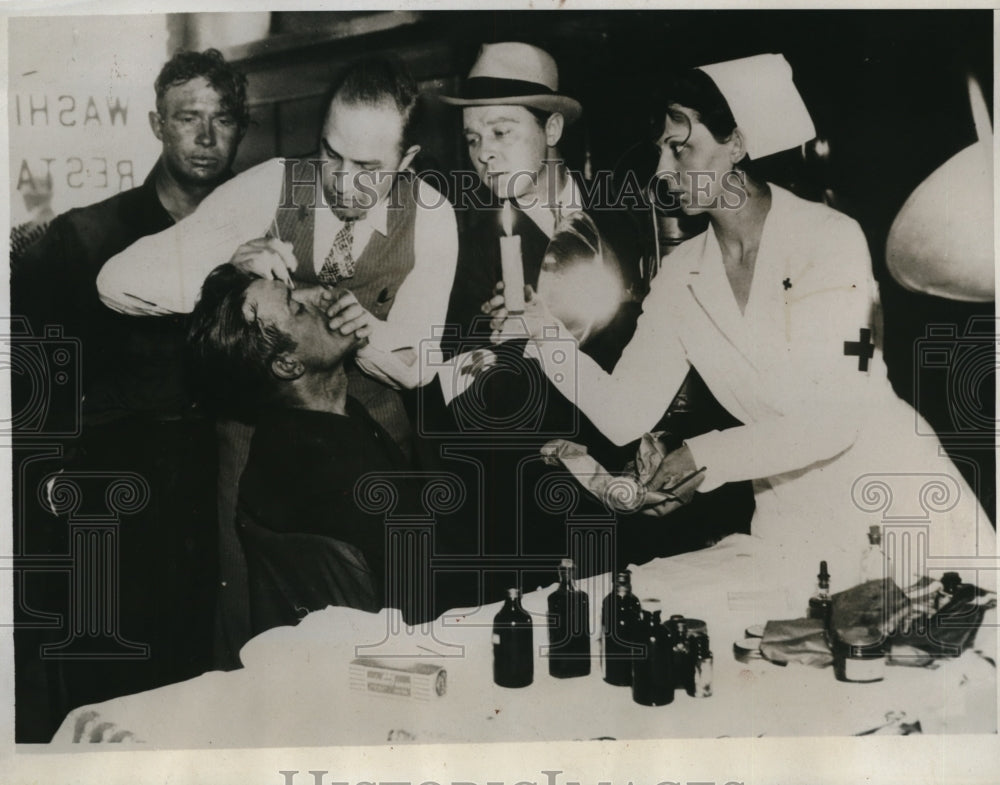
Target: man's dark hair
[
  {"x": 210, "y": 64},
  {"x": 378, "y": 80},
  {"x": 541, "y": 115},
  {"x": 230, "y": 356}
]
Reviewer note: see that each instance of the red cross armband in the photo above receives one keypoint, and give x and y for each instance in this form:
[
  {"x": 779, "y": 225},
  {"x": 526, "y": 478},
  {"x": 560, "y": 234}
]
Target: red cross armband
[{"x": 863, "y": 348}]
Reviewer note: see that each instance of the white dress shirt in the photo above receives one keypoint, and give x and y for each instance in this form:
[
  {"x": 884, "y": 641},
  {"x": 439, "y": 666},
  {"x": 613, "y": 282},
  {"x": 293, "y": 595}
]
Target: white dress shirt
[
  {"x": 546, "y": 216},
  {"x": 162, "y": 274}
]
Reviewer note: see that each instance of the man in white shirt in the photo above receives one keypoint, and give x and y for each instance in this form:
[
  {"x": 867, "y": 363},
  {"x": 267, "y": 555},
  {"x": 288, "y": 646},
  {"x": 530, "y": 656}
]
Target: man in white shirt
[
  {"x": 348, "y": 215},
  {"x": 273, "y": 220}
]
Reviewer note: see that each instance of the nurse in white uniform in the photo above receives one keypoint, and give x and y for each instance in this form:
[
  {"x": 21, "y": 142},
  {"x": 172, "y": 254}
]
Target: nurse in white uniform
[{"x": 776, "y": 307}]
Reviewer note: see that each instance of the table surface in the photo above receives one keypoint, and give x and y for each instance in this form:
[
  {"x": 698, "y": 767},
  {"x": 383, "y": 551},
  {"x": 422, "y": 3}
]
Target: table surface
[{"x": 294, "y": 689}]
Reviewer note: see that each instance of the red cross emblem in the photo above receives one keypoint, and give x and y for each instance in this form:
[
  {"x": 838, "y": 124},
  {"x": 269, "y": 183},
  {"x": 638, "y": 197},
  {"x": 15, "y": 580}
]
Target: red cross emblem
[{"x": 863, "y": 348}]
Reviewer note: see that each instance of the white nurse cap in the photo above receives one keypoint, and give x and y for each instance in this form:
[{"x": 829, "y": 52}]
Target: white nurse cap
[{"x": 764, "y": 102}]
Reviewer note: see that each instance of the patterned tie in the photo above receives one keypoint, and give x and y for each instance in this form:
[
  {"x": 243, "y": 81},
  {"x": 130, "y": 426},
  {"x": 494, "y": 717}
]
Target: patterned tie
[{"x": 339, "y": 263}]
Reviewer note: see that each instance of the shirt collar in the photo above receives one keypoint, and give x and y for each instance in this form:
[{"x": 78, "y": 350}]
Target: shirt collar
[
  {"x": 149, "y": 184},
  {"x": 567, "y": 201},
  {"x": 378, "y": 216},
  {"x": 570, "y": 200}
]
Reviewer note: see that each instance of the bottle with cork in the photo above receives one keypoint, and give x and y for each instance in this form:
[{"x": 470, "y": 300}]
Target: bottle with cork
[
  {"x": 873, "y": 563},
  {"x": 652, "y": 668},
  {"x": 513, "y": 644},
  {"x": 620, "y": 615}
]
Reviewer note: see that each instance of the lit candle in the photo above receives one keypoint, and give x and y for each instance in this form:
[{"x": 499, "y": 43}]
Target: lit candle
[{"x": 510, "y": 263}]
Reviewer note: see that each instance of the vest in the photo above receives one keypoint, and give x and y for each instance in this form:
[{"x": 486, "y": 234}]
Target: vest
[
  {"x": 379, "y": 272},
  {"x": 386, "y": 260}
]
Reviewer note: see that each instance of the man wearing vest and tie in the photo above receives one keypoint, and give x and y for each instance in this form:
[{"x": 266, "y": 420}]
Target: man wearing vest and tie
[{"x": 348, "y": 215}]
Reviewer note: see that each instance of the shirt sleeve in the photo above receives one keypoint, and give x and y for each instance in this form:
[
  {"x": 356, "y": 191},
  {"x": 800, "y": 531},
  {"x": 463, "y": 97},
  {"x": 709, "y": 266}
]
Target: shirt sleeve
[
  {"x": 830, "y": 388},
  {"x": 630, "y": 400},
  {"x": 418, "y": 315},
  {"x": 162, "y": 274}
]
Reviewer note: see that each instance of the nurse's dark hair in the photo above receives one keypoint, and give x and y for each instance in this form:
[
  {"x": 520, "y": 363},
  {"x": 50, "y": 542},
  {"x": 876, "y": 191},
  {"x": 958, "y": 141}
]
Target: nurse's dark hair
[
  {"x": 228, "y": 82},
  {"x": 374, "y": 81},
  {"x": 695, "y": 90},
  {"x": 229, "y": 354}
]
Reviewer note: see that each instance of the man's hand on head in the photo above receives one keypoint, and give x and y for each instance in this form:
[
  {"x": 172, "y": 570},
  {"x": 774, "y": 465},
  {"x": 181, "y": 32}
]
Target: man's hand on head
[
  {"x": 347, "y": 315},
  {"x": 267, "y": 257}
]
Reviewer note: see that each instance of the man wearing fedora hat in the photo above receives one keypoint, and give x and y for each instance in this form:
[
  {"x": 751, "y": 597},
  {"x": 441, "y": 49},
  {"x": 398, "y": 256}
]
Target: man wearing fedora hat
[{"x": 513, "y": 117}]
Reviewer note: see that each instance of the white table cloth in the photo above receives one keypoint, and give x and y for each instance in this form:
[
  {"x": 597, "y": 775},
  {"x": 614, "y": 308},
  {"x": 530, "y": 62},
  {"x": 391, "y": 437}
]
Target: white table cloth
[{"x": 294, "y": 689}]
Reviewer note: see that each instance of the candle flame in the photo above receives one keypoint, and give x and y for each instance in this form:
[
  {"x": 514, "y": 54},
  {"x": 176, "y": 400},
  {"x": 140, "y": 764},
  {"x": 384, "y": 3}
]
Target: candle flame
[{"x": 507, "y": 218}]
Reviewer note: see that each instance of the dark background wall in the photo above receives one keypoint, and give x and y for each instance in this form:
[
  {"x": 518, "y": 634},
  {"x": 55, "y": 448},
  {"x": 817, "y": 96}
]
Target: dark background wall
[{"x": 887, "y": 90}]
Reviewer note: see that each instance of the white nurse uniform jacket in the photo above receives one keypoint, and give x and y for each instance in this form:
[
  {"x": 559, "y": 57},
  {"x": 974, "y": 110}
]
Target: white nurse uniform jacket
[{"x": 830, "y": 447}]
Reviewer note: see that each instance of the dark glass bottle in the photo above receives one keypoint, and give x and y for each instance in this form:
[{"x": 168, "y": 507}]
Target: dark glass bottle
[
  {"x": 652, "y": 674},
  {"x": 820, "y": 604},
  {"x": 620, "y": 616},
  {"x": 958, "y": 615},
  {"x": 513, "y": 644},
  {"x": 569, "y": 627}
]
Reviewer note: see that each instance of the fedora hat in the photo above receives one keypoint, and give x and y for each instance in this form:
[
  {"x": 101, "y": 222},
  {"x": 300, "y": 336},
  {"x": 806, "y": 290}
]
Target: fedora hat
[{"x": 515, "y": 74}]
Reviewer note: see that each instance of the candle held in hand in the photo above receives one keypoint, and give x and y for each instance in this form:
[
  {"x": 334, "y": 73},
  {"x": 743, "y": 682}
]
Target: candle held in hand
[{"x": 511, "y": 263}]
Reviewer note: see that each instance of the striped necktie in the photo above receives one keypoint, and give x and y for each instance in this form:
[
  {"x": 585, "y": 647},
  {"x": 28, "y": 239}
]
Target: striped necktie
[{"x": 339, "y": 263}]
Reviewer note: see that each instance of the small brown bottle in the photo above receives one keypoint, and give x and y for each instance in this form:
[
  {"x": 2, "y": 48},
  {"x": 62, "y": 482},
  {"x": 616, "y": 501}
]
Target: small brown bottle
[
  {"x": 702, "y": 662},
  {"x": 652, "y": 677},
  {"x": 820, "y": 604},
  {"x": 680, "y": 652}
]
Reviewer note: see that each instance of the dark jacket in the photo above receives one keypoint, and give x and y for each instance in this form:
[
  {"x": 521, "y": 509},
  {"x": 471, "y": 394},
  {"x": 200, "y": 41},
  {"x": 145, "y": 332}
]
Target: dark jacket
[
  {"x": 127, "y": 364},
  {"x": 308, "y": 542}
]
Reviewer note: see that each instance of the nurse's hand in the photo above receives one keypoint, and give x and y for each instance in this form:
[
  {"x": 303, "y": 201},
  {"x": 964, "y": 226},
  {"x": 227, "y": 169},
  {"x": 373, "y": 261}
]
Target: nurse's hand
[
  {"x": 529, "y": 324},
  {"x": 675, "y": 467}
]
